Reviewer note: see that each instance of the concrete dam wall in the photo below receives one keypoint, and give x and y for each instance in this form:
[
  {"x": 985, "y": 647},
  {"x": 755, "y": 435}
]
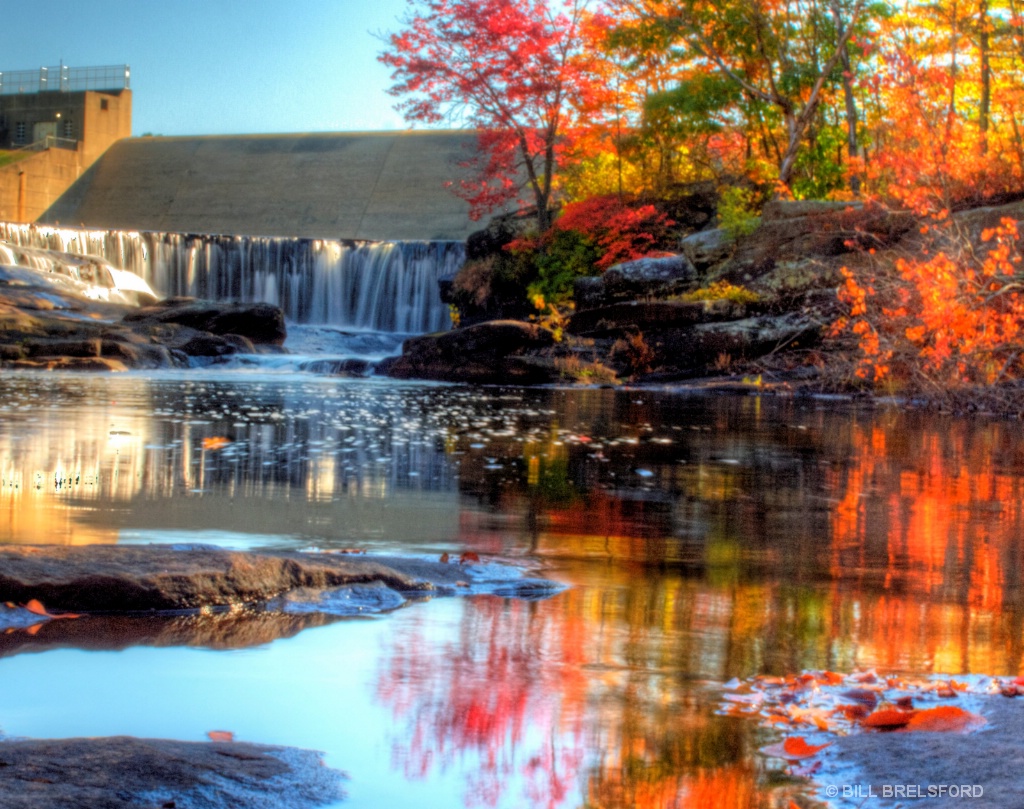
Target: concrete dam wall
[{"x": 372, "y": 186}]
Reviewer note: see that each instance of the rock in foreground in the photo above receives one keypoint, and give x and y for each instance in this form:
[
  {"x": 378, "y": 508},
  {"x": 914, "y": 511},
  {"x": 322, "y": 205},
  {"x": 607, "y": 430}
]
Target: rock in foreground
[
  {"x": 116, "y": 772},
  {"x": 163, "y": 578}
]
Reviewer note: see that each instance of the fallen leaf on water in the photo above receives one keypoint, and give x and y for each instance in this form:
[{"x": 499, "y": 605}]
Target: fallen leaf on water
[
  {"x": 444, "y": 558},
  {"x": 794, "y": 748},
  {"x": 220, "y": 736},
  {"x": 945, "y": 719},
  {"x": 864, "y": 696},
  {"x": 36, "y": 608},
  {"x": 215, "y": 442},
  {"x": 469, "y": 556},
  {"x": 887, "y": 719},
  {"x": 33, "y": 630}
]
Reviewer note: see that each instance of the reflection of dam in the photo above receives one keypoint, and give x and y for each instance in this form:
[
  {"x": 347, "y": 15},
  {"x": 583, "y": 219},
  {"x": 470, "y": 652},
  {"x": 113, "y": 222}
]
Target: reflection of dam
[{"x": 82, "y": 461}]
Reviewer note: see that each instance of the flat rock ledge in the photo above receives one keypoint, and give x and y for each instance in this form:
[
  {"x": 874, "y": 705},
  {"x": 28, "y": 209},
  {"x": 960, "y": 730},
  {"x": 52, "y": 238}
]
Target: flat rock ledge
[
  {"x": 121, "y": 771},
  {"x": 173, "y": 579}
]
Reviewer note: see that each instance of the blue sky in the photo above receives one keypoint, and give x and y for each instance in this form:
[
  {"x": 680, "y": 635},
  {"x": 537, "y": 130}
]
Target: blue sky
[{"x": 222, "y": 66}]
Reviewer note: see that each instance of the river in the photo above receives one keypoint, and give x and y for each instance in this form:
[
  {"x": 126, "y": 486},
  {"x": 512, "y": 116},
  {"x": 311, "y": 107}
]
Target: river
[{"x": 702, "y": 537}]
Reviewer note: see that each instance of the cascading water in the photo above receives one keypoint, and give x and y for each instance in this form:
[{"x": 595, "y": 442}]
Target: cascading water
[
  {"x": 383, "y": 286},
  {"x": 387, "y": 289}
]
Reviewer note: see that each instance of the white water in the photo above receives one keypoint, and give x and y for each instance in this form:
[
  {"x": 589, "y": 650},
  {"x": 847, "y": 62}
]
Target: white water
[{"x": 386, "y": 287}]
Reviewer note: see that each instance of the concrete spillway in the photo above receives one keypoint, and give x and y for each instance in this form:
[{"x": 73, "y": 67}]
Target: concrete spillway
[{"x": 361, "y": 186}]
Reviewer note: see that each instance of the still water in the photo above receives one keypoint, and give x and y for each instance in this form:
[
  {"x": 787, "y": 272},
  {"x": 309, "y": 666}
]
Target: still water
[{"x": 702, "y": 537}]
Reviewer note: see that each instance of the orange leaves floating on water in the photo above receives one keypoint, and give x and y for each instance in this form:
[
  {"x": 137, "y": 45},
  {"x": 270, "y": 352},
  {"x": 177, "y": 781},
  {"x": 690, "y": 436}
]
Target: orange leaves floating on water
[
  {"x": 215, "y": 442},
  {"x": 945, "y": 719},
  {"x": 793, "y": 749},
  {"x": 444, "y": 558},
  {"x": 887, "y": 719},
  {"x": 220, "y": 736}
]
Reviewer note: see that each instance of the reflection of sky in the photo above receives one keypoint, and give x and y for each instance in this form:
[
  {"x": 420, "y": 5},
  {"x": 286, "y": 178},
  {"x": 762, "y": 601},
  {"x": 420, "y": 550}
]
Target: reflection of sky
[
  {"x": 313, "y": 691},
  {"x": 705, "y": 538}
]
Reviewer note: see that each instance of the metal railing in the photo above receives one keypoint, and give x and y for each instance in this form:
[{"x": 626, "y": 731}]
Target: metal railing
[
  {"x": 49, "y": 142},
  {"x": 64, "y": 79}
]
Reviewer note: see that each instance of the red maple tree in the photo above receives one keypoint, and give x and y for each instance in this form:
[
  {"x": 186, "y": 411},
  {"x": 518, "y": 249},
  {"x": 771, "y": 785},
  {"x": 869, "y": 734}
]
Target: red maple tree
[{"x": 516, "y": 70}]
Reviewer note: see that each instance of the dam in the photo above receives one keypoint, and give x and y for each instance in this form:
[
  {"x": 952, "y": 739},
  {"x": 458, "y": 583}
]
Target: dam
[{"x": 364, "y": 186}]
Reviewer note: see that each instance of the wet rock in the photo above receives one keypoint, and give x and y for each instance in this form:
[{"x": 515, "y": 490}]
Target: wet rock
[
  {"x": 121, "y": 771},
  {"x": 163, "y": 578},
  {"x": 259, "y": 322},
  {"x": 56, "y": 347},
  {"x": 490, "y": 352},
  {"x": 204, "y": 344},
  {"x": 349, "y": 367},
  {"x": 69, "y": 364},
  {"x": 111, "y": 578}
]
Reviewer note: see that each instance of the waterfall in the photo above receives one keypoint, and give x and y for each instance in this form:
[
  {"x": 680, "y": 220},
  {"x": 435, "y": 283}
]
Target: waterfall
[{"x": 379, "y": 286}]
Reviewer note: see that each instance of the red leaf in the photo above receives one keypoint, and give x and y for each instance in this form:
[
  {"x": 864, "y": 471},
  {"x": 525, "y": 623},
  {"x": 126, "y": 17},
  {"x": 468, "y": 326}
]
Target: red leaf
[
  {"x": 793, "y": 748},
  {"x": 887, "y": 719},
  {"x": 444, "y": 558},
  {"x": 468, "y": 556},
  {"x": 945, "y": 719},
  {"x": 221, "y": 736}
]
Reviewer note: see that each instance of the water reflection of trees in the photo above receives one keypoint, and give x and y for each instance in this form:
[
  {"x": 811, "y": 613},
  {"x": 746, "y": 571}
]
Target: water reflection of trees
[{"x": 768, "y": 543}]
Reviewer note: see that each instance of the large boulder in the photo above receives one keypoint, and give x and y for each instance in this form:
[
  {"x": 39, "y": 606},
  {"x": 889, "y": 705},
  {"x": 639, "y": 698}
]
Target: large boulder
[
  {"x": 648, "y": 277},
  {"x": 169, "y": 579},
  {"x": 262, "y": 323},
  {"x": 651, "y": 276},
  {"x": 488, "y": 353}
]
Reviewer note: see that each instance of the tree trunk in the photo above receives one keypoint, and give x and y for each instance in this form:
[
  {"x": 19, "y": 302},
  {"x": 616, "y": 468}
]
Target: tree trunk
[
  {"x": 985, "y": 102},
  {"x": 848, "y": 97}
]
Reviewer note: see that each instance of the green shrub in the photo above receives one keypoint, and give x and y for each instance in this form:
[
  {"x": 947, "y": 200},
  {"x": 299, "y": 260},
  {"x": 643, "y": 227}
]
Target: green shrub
[
  {"x": 721, "y": 290},
  {"x": 738, "y": 211}
]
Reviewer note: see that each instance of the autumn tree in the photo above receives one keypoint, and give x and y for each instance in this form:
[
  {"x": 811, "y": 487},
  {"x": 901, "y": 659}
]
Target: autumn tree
[
  {"x": 517, "y": 70},
  {"x": 764, "y": 60}
]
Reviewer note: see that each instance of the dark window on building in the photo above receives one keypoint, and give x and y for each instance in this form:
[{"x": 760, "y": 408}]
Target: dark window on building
[
  {"x": 69, "y": 129},
  {"x": 19, "y": 132},
  {"x": 104, "y": 104}
]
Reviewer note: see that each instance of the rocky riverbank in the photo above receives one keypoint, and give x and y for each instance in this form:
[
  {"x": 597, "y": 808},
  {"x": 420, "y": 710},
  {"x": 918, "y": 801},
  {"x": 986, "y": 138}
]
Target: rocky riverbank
[
  {"x": 723, "y": 308},
  {"x": 43, "y": 326}
]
